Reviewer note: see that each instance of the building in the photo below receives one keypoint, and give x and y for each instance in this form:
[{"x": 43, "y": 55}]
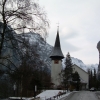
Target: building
[
  {"x": 56, "y": 62},
  {"x": 84, "y": 76},
  {"x": 56, "y": 66}
]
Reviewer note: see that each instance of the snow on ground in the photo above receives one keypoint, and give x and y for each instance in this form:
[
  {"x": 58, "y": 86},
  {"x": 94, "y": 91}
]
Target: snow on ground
[
  {"x": 19, "y": 98},
  {"x": 50, "y": 93},
  {"x": 45, "y": 95}
]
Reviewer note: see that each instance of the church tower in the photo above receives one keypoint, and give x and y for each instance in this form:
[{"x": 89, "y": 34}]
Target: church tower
[{"x": 56, "y": 63}]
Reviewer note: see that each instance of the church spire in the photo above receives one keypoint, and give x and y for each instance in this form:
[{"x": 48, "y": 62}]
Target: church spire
[
  {"x": 57, "y": 42},
  {"x": 57, "y": 53}
]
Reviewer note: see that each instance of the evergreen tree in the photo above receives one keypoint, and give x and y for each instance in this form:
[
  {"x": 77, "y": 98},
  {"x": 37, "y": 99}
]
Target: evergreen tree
[
  {"x": 89, "y": 72},
  {"x": 68, "y": 70},
  {"x": 94, "y": 78},
  {"x": 76, "y": 80},
  {"x": 93, "y": 82},
  {"x": 91, "y": 79}
]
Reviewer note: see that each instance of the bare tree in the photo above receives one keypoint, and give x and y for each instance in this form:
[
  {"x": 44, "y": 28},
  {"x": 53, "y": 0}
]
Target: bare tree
[
  {"x": 22, "y": 15},
  {"x": 18, "y": 16}
]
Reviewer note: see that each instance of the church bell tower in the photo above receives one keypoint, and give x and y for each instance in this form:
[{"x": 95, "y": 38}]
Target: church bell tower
[{"x": 56, "y": 63}]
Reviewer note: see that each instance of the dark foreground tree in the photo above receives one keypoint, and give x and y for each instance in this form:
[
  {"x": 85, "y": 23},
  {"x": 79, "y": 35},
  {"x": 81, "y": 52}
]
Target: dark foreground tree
[
  {"x": 93, "y": 80},
  {"x": 76, "y": 80},
  {"x": 67, "y": 72},
  {"x": 32, "y": 72},
  {"x": 17, "y": 16}
]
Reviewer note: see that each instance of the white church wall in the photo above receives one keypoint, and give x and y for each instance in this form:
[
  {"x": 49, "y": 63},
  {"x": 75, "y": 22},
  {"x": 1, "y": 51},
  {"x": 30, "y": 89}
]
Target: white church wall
[
  {"x": 55, "y": 72},
  {"x": 84, "y": 75}
]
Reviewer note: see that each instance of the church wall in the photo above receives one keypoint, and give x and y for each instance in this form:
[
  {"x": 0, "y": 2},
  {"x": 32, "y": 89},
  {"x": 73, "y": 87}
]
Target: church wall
[
  {"x": 84, "y": 75},
  {"x": 56, "y": 67}
]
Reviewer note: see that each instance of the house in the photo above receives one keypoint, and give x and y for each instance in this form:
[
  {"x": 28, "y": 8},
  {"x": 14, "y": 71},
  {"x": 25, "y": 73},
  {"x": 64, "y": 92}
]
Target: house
[{"x": 84, "y": 76}]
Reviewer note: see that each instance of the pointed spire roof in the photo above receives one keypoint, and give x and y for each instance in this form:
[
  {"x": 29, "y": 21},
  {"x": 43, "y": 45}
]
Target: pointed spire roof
[
  {"x": 56, "y": 52},
  {"x": 57, "y": 42}
]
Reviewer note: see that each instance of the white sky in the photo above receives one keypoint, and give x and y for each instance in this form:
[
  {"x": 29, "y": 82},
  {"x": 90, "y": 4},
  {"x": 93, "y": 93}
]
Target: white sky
[{"x": 79, "y": 27}]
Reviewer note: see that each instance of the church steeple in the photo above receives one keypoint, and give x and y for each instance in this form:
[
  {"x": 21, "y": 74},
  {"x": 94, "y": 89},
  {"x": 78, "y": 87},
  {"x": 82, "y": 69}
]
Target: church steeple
[
  {"x": 57, "y": 53},
  {"x": 57, "y": 42}
]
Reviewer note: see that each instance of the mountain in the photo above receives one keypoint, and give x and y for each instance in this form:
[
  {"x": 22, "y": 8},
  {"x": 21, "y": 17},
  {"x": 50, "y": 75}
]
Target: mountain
[
  {"x": 44, "y": 50},
  {"x": 36, "y": 42},
  {"x": 41, "y": 47},
  {"x": 79, "y": 63},
  {"x": 9, "y": 54},
  {"x": 93, "y": 66},
  {"x": 84, "y": 66}
]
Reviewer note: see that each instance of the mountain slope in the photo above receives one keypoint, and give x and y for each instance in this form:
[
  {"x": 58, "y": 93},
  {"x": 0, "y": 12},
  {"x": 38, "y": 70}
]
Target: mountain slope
[
  {"x": 44, "y": 50},
  {"x": 84, "y": 66},
  {"x": 79, "y": 63},
  {"x": 38, "y": 43}
]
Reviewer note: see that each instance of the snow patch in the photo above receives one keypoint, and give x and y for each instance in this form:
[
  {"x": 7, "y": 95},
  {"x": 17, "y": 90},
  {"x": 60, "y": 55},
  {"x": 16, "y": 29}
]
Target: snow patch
[{"x": 50, "y": 93}]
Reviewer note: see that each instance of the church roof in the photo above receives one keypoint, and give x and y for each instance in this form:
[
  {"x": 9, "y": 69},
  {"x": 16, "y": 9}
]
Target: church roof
[
  {"x": 57, "y": 52},
  {"x": 80, "y": 68}
]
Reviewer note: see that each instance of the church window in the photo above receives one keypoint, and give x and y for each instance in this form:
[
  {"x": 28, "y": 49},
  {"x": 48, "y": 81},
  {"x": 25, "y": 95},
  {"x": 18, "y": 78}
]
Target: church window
[{"x": 56, "y": 61}]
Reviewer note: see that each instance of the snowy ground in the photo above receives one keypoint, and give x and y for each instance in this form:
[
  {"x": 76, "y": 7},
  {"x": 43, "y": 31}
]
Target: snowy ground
[
  {"x": 19, "y": 98},
  {"x": 80, "y": 95},
  {"x": 51, "y": 93},
  {"x": 45, "y": 95}
]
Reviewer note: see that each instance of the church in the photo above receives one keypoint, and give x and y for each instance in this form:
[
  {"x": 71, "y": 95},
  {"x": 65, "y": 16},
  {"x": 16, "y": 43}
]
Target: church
[
  {"x": 56, "y": 66},
  {"x": 56, "y": 63}
]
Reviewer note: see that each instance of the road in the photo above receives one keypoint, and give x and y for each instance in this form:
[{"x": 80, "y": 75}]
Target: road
[{"x": 82, "y": 95}]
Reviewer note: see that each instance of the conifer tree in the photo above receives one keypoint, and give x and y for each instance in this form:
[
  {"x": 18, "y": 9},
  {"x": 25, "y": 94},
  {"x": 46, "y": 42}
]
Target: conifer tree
[
  {"x": 89, "y": 72},
  {"x": 68, "y": 70},
  {"x": 76, "y": 80},
  {"x": 94, "y": 78},
  {"x": 91, "y": 79}
]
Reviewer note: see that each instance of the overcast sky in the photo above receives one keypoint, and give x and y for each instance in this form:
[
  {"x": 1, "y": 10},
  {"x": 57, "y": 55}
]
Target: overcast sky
[{"x": 79, "y": 27}]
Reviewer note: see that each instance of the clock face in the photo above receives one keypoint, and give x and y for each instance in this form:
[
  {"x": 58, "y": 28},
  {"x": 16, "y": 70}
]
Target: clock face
[{"x": 56, "y": 61}]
